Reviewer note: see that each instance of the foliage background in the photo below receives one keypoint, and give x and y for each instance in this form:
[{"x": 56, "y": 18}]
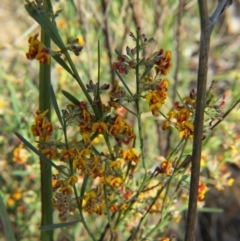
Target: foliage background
[{"x": 110, "y": 22}]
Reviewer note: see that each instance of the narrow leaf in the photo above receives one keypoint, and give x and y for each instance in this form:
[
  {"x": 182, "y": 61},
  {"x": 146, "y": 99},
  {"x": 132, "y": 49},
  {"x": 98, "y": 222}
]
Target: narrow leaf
[
  {"x": 70, "y": 97},
  {"x": 210, "y": 210},
  {"x": 58, "y": 225},
  {"x": 5, "y": 221},
  {"x": 40, "y": 154},
  {"x": 63, "y": 64},
  {"x": 55, "y": 105}
]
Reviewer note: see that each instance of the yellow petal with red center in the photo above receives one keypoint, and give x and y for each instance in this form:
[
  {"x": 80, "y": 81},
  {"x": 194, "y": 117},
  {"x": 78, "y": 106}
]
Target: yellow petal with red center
[
  {"x": 168, "y": 56},
  {"x": 149, "y": 97},
  {"x": 115, "y": 182},
  {"x": 115, "y": 164},
  {"x": 189, "y": 125},
  {"x": 72, "y": 180},
  {"x": 86, "y": 152},
  {"x": 43, "y": 58},
  {"x": 165, "y": 125},
  {"x": 99, "y": 127},
  {"x": 86, "y": 137},
  {"x": 156, "y": 106}
]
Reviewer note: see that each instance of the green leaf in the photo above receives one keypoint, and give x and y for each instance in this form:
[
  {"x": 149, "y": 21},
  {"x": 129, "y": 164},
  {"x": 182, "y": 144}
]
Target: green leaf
[
  {"x": 55, "y": 105},
  {"x": 7, "y": 227},
  {"x": 63, "y": 64},
  {"x": 70, "y": 97},
  {"x": 40, "y": 154},
  {"x": 210, "y": 210},
  {"x": 58, "y": 225}
]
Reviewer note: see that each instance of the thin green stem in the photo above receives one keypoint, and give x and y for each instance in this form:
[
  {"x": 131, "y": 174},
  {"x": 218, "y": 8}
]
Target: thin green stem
[
  {"x": 107, "y": 205},
  {"x": 84, "y": 184},
  {"x": 167, "y": 185},
  {"x": 79, "y": 80},
  {"x": 138, "y": 104}
]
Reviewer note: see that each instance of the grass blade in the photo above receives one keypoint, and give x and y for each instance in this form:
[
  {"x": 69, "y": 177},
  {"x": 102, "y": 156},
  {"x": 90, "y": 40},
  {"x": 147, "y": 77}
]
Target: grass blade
[{"x": 7, "y": 227}]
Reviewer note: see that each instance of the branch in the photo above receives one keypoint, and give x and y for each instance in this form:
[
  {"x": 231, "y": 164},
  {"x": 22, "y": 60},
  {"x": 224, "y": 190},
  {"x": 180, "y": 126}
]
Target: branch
[
  {"x": 206, "y": 29},
  {"x": 199, "y": 118}
]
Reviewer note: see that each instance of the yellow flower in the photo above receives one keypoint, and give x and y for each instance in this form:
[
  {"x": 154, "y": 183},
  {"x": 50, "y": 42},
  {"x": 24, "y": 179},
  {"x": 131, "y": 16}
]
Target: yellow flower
[
  {"x": 165, "y": 125},
  {"x": 37, "y": 50},
  {"x": 93, "y": 201},
  {"x": 50, "y": 153},
  {"x": 65, "y": 190},
  {"x": 115, "y": 164},
  {"x": 67, "y": 154},
  {"x": 72, "y": 180},
  {"x": 20, "y": 154},
  {"x": 116, "y": 182},
  {"x": 43, "y": 57},
  {"x": 79, "y": 162},
  {"x": 99, "y": 127},
  {"x": 35, "y": 47},
  {"x": 155, "y": 108},
  {"x": 131, "y": 155},
  {"x": 183, "y": 115},
  {"x": 186, "y": 129},
  {"x": 86, "y": 152}
]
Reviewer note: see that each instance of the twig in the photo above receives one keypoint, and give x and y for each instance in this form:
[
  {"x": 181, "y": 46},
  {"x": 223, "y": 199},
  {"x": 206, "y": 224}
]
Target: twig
[
  {"x": 178, "y": 54},
  {"x": 178, "y": 58},
  {"x": 222, "y": 5},
  {"x": 108, "y": 36},
  {"x": 125, "y": 19},
  {"x": 136, "y": 16},
  {"x": 85, "y": 22}
]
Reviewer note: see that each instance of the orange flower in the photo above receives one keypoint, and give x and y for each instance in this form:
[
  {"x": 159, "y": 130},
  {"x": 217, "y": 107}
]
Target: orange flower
[
  {"x": 166, "y": 167},
  {"x": 37, "y": 50},
  {"x": 202, "y": 189}
]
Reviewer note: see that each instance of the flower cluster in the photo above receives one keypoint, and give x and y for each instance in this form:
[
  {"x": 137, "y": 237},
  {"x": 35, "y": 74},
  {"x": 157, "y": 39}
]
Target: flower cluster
[
  {"x": 163, "y": 62},
  {"x": 182, "y": 116},
  {"x": 106, "y": 168},
  {"x": 37, "y": 51},
  {"x": 156, "y": 97},
  {"x": 93, "y": 201},
  {"x": 42, "y": 127},
  {"x": 156, "y": 87}
]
